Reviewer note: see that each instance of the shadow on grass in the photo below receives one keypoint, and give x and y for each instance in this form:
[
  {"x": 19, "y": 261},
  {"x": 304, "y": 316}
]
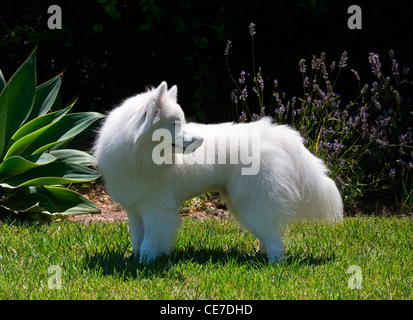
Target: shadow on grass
[{"x": 120, "y": 264}]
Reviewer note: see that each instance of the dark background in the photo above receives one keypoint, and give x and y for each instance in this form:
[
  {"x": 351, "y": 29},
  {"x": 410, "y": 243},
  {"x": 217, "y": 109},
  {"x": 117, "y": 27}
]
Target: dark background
[{"x": 113, "y": 49}]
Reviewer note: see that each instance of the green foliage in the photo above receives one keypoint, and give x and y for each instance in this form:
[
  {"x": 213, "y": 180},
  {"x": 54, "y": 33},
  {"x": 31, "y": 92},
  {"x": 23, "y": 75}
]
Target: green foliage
[
  {"x": 366, "y": 143},
  {"x": 34, "y": 163},
  {"x": 194, "y": 204}
]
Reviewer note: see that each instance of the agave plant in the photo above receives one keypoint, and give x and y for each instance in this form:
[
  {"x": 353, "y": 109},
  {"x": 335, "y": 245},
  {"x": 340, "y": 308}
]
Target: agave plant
[{"x": 34, "y": 164}]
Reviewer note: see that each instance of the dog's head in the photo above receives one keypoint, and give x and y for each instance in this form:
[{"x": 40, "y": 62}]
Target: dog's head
[{"x": 161, "y": 115}]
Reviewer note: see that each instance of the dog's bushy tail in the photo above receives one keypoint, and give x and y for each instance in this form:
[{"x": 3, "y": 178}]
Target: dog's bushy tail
[
  {"x": 320, "y": 197},
  {"x": 322, "y": 202},
  {"x": 331, "y": 207}
]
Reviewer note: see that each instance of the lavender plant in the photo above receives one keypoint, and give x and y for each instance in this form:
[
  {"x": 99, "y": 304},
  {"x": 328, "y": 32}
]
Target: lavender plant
[{"x": 367, "y": 142}]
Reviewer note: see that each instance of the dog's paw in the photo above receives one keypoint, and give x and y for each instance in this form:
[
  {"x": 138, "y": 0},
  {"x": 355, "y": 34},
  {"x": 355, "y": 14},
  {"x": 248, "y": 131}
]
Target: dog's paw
[{"x": 146, "y": 259}]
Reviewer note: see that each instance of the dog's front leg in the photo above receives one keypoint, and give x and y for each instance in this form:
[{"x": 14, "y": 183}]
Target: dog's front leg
[
  {"x": 160, "y": 229},
  {"x": 136, "y": 231}
]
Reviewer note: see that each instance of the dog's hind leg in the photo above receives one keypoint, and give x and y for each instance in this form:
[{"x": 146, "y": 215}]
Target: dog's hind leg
[
  {"x": 270, "y": 241},
  {"x": 263, "y": 223},
  {"x": 159, "y": 234}
]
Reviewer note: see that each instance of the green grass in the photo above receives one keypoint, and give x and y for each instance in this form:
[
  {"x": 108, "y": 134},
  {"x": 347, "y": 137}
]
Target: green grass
[{"x": 213, "y": 259}]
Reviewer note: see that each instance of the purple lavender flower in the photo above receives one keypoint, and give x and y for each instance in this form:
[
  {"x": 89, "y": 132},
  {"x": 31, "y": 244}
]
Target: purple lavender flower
[
  {"x": 305, "y": 82},
  {"x": 332, "y": 66},
  {"x": 302, "y": 65},
  {"x": 343, "y": 60},
  {"x": 363, "y": 91},
  {"x": 242, "y": 79},
  {"x": 354, "y": 122},
  {"x": 376, "y": 87},
  {"x": 261, "y": 82},
  {"x": 242, "y": 117},
  {"x": 337, "y": 146},
  {"x": 395, "y": 67},
  {"x": 381, "y": 142},
  {"x": 323, "y": 57},
  {"x": 406, "y": 139},
  {"x": 396, "y": 95},
  {"x": 375, "y": 63},
  {"x": 244, "y": 94},
  {"x": 324, "y": 71},
  {"x": 262, "y": 112},
  {"x": 356, "y": 74},
  {"x": 234, "y": 96},
  {"x": 317, "y": 89},
  {"x": 363, "y": 114},
  {"x": 329, "y": 87},
  {"x": 259, "y": 116},
  {"x": 252, "y": 29},
  {"x": 392, "y": 173},
  {"x": 315, "y": 63},
  {"x": 228, "y": 46}
]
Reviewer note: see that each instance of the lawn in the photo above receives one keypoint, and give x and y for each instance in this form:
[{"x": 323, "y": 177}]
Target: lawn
[{"x": 213, "y": 259}]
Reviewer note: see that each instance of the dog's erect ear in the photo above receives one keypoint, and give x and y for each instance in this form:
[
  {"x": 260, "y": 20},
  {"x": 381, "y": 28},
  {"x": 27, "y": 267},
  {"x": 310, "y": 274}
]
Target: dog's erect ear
[
  {"x": 173, "y": 92},
  {"x": 160, "y": 91},
  {"x": 148, "y": 112}
]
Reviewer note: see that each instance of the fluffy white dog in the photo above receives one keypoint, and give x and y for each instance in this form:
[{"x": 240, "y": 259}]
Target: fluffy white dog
[{"x": 152, "y": 160}]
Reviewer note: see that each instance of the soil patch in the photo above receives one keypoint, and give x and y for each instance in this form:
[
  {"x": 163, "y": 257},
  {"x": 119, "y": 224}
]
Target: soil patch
[{"x": 212, "y": 206}]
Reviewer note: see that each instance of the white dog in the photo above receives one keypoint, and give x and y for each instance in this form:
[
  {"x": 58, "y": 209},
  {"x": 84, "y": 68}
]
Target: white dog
[{"x": 152, "y": 160}]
